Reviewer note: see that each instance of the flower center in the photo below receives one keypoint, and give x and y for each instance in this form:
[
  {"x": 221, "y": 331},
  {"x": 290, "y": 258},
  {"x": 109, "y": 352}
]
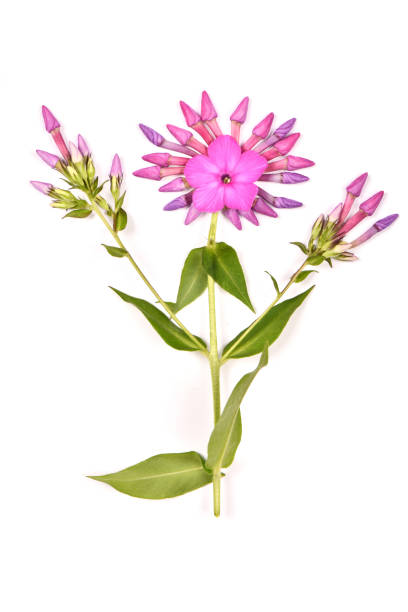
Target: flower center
[{"x": 226, "y": 179}]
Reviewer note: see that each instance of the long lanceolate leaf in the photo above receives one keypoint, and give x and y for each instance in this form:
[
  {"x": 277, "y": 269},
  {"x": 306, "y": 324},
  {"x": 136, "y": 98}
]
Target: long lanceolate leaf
[
  {"x": 193, "y": 281},
  {"x": 171, "y": 333},
  {"x": 267, "y": 329},
  {"x": 161, "y": 476},
  {"x": 222, "y": 264},
  {"x": 224, "y": 440}
]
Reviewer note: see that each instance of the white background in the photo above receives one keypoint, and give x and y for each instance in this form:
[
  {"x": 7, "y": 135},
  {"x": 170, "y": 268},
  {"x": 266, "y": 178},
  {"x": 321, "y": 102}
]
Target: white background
[{"x": 314, "y": 510}]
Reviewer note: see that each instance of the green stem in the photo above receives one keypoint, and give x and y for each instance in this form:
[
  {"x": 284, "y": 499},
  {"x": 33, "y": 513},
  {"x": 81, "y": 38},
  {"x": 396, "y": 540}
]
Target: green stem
[
  {"x": 119, "y": 242},
  {"x": 275, "y": 301},
  {"x": 214, "y": 361}
]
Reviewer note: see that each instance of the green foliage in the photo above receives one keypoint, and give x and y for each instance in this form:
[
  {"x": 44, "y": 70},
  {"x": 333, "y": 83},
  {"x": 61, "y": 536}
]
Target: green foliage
[
  {"x": 78, "y": 213},
  {"x": 315, "y": 260},
  {"x": 222, "y": 264},
  {"x": 115, "y": 251},
  {"x": 224, "y": 440},
  {"x": 161, "y": 476},
  {"x": 304, "y": 274},
  {"x": 275, "y": 282},
  {"x": 193, "y": 281},
  {"x": 301, "y": 246},
  {"x": 171, "y": 333},
  {"x": 120, "y": 220},
  {"x": 267, "y": 329}
]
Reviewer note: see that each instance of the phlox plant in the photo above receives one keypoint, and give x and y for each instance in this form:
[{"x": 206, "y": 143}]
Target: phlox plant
[{"x": 216, "y": 174}]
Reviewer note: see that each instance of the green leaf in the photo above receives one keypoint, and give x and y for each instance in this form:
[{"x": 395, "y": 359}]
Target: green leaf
[
  {"x": 304, "y": 274},
  {"x": 121, "y": 220},
  {"x": 171, "y": 333},
  {"x": 115, "y": 251},
  {"x": 161, "y": 476},
  {"x": 222, "y": 264},
  {"x": 119, "y": 202},
  {"x": 315, "y": 260},
  {"x": 224, "y": 440},
  {"x": 267, "y": 329},
  {"x": 301, "y": 246},
  {"x": 79, "y": 213},
  {"x": 193, "y": 280},
  {"x": 275, "y": 282}
]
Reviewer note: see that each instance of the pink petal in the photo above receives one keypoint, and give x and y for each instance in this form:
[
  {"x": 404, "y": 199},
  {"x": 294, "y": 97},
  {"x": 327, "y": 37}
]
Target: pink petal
[
  {"x": 250, "y": 167},
  {"x": 225, "y": 153},
  {"x": 240, "y": 196},
  {"x": 209, "y": 198},
  {"x": 200, "y": 170}
]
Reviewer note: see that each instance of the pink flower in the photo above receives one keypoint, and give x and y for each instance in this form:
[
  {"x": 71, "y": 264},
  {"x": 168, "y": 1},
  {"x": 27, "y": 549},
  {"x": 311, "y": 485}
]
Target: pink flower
[
  {"x": 220, "y": 172},
  {"x": 116, "y": 168}
]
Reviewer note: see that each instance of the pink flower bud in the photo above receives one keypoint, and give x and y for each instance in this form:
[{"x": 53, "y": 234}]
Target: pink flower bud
[
  {"x": 260, "y": 206},
  {"x": 263, "y": 127},
  {"x": 278, "y": 134},
  {"x": 151, "y": 172},
  {"x": 192, "y": 215},
  {"x": 45, "y": 188},
  {"x": 190, "y": 115},
  {"x": 335, "y": 213},
  {"x": 180, "y": 202},
  {"x": 180, "y": 134},
  {"x": 83, "y": 147},
  {"x": 232, "y": 215},
  {"x": 282, "y": 147},
  {"x": 160, "y": 159},
  {"x": 208, "y": 111},
  {"x": 75, "y": 153},
  {"x": 289, "y": 178},
  {"x": 370, "y": 205},
  {"x": 50, "y": 122},
  {"x": 286, "y": 203},
  {"x": 357, "y": 185},
  {"x": 177, "y": 184},
  {"x": 289, "y": 163},
  {"x": 116, "y": 168},
  {"x": 48, "y": 158},
  {"x": 249, "y": 215},
  {"x": 240, "y": 113}
]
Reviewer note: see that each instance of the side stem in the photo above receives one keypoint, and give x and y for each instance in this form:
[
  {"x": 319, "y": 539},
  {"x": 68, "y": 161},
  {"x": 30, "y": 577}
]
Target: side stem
[{"x": 214, "y": 361}]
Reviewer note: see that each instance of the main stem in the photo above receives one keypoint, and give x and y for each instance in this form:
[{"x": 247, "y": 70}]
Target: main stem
[
  {"x": 119, "y": 242},
  {"x": 214, "y": 361}
]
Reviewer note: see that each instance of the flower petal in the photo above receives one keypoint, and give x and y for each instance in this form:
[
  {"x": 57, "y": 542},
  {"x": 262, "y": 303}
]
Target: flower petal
[
  {"x": 209, "y": 198},
  {"x": 249, "y": 168},
  {"x": 200, "y": 170},
  {"x": 240, "y": 196},
  {"x": 225, "y": 153}
]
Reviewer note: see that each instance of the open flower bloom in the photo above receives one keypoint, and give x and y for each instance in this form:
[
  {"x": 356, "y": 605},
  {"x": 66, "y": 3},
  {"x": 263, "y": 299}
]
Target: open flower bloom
[
  {"x": 329, "y": 233},
  {"x": 219, "y": 172}
]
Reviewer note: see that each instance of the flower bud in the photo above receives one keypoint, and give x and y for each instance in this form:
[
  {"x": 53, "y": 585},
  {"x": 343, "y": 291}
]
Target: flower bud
[
  {"x": 48, "y": 158},
  {"x": 75, "y": 153},
  {"x": 50, "y": 122},
  {"x": 83, "y": 147},
  {"x": 45, "y": 188},
  {"x": 317, "y": 228}
]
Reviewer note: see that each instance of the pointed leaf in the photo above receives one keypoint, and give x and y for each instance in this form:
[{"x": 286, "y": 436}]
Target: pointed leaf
[
  {"x": 221, "y": 262},
  {"x": 115, "y": 251},
  {"x": 121, "y": 220},
  {"x": 304, "y": 274},
  {"x": 78, "y": 213},
  {"x": 223, "y": 442},
  {"x": 193, "y": 281},
  {"x": 267, "y": 329},
  {"x": 171, "y": 333},
  {"x": 275, "y": 282},
  {"x": 161, "y": 476},
  {"x": 301, "y": 246}
]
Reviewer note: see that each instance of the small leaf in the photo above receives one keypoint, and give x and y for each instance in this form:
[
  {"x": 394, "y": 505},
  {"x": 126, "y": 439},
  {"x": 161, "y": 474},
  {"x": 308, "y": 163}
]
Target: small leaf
[
  {"x": 161, "y": 476},
  {"x": 304, "y": 274},
  {"x": 171, "y": 333},
  {"x": 267, "y": 329},
  {"x": 275, "y": 282},
  {"x": 115, "y": 251},
  {"x": 222, "y": 264},
  {"x": 224, "y": 440},
  {"x": 121, "y": 220},
  {"x": 315, "y": 260},
  {"x": 119, "y": 202},
  {"x": 193, "y": 281},
  {"x": 301, "y": 246},
  {"x": 79, "y": 213}
]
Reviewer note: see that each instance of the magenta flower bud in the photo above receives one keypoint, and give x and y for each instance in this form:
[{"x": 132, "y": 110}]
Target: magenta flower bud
[
  {"x": 190, "y": 115},
  {"x": 260, "y": 206},
  {"x": 286, "y": 203},
  {"x": 83, "y": 147},
  {"x": 50, "y": 122},
  {"x": 151, "y": 172},
  {"x": 335, "y": 213},
  {"x": 177, "y": 184},
  {"x": 151, "y": 135},
  {"x": 180, "y": 134},
  {"x": 286, "y": 144},
  {"x": 45, "y": 188},
  {"x": 116, "y": 168},
  {"x": 240, "y": 113},
  {"x": 356, "y": 186},
  {"x": 250, "y": 216},
  {"x": 180, "y": 202},
  {"x": 160, "y": 159},
  {"x": 48, "y": 158},
  {"x": 379, "y": 226},
  {"x": 370, "y": 205},
  {"x": 296, "y": 163},
  {"x": 232, "y": 215},
  {"x": 382, "y": 224},
  {"x": 208, "y": 111},
  {"x": 263, "y": 127},
  {"x": 192, "y": 215},
  {"x": 75, "y": 153}
]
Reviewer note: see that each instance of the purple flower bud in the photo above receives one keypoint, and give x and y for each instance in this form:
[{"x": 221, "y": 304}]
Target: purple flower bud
[
  {"x": 370, "y": 205},
  {"x": 288, "y": 178},
  {"x": 82, "y": 146},
  {"x": 151, "y": 172},
  {"x": 250, "y": 216},
  {"x": 378, "y": 226},
  {"x": 240, "y": 113},
  {"x": 50, "y": 122},
  {"x": 190, "y": 115},
  {"x": 285, "y": 128},
  {"x": 208, "y": 111},
  {"x": 116, "y": 168},
  {"x": 192, "y": 215},
  {"x": 232, "y": 215},
  {"x": 45, "y": 188},
  {"x": 177, "y": 184},
  {"x": 357, "y": 185},
  {"x": 260, "y": 206},
  {"x": 180, "y": 202},
  {"x": 49, "y": 158},
  {"x": 286, "y": 203},
  {"x": 382, "y": 224},
  {"x": 151, "y": 135}
]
